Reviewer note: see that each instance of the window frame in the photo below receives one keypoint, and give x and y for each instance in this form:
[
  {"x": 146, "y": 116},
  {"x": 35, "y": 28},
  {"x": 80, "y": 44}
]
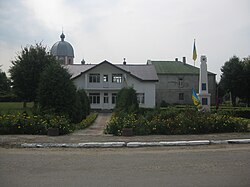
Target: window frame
[
  {"x": 94, "y": 98},
  {"x": 180, "y": 82},
  {"x": 204, "y": 101},
  {"x": 203, "y": 86},
  {"x": 181, "y": 96},
  {"x": 105, "y": 98},
  {"x": 140, "y": 98},
  {"x": 114, "y": 98},
  {"x": 94, "y": 78},
  {"x": 117, "y": 78}
]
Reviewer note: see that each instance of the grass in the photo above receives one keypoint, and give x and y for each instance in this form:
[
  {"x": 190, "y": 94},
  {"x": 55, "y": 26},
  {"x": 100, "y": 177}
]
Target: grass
[{"x": 13, "y": 107}]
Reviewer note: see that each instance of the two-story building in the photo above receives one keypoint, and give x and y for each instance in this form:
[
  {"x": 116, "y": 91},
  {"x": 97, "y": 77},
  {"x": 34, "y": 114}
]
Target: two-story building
[
  {"x": 176, "y": 80},
  {"x": 103, "y": 81}
]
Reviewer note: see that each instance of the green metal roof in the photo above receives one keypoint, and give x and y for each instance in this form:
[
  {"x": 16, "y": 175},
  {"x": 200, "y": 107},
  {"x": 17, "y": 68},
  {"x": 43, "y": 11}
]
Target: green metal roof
[{"x": 174, "y": 67}]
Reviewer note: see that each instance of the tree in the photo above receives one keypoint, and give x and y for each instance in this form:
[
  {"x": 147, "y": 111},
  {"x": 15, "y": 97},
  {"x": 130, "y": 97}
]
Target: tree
[
  {"x": 127, "y": 101},
  {"x": 57, "y": 92},
  {"x": 235, "y": 78},
  {"x": 246, "y": 82},
  {"x": 4, "y": 83},
  {"x": 85, "y": 104},
  {"x": 26, "y": 71}
]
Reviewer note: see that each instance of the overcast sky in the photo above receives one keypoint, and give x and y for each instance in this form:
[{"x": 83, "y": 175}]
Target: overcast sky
[{"x": 135, "y": 29}]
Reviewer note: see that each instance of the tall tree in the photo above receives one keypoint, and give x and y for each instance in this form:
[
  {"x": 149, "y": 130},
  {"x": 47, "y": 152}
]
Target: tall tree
[
  {"x": 26, "y": 71},
  {"x": 57, "y": 92},
  {"x": 232, "y": 77},
  {"x": 4, "y": 83},
  {"x": 246, "y": 82}
]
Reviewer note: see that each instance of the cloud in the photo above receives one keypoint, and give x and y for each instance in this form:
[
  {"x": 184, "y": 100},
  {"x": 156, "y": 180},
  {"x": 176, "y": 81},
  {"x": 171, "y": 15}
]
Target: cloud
[{"x": 135, "y": 29}]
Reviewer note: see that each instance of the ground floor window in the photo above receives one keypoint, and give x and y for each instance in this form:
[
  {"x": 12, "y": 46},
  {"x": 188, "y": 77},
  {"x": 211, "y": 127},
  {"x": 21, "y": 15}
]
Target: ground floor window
[
  {"x": 114, "y": 97},
  {"x": 204, "y": 101},
  {"x": 106, "y": 98},
  {"x": 141, "y": 98},
  {"x": 94, "y": 98},
  {"x": 181, "y": 96}
]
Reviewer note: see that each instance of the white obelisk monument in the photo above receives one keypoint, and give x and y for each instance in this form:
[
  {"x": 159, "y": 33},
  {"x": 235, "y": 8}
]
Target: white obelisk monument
[{"x": 203, "y": 85}]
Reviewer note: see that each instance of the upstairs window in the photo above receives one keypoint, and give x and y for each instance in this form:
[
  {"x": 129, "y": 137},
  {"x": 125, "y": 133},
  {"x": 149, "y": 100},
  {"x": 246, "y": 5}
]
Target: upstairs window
[
  {"x": 94, "y": 78},
  {"x": 117, "y": 78},
  {"x": 180, "y": 82},
  {"x": 203, "y": 86},
  {"x": 105, "y": 78}
]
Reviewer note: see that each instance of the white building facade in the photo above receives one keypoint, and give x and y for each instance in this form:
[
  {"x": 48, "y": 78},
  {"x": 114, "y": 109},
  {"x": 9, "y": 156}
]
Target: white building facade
[{"x": 103, "y": 81}]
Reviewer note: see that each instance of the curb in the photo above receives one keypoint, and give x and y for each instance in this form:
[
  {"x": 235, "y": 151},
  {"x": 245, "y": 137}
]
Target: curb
[
  {"x": 133, "y": 144},
  {"x": 239, "y": 141}
]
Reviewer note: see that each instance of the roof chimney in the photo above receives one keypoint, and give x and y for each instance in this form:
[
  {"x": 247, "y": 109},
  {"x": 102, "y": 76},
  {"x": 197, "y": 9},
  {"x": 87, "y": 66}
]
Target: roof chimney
[
  {"x": 184, "y": 60},
  {"x": 176, "y": 59},
  {"x": 83, "y": 61},
  {"x": 124, "y": 61}
]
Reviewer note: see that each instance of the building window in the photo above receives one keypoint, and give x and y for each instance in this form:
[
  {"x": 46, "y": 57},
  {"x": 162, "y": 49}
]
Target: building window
[
  {"x": 204, "y": 101},
  {"x": 117, "y": 78},
  {"x": 203, "y": 86},
  {"x": 94, "y": 98},
  {"x": 105, "y": 78},
  {"x": 114, "y": 97},
  {"x": 181, "y": 96},
  {"x": 69, "y": 61},
  {"x": 180, "y": 82},
  {"x": 106, "y": 98},
  {"x": 141, "y": 98},
  {"x": 94, "y": 78}
]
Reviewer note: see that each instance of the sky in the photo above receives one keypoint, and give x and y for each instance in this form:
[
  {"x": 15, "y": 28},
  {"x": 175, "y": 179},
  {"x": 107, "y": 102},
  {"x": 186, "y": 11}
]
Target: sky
[{"x": 138, "y": 30}]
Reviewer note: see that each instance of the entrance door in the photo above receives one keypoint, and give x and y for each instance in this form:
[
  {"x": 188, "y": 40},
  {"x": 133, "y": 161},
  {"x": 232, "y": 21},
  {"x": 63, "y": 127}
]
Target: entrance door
[{"x": 106, "y": 101}]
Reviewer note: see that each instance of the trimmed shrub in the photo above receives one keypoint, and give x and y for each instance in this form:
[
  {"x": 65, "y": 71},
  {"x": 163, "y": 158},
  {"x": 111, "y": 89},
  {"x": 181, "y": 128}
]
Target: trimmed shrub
[
  {"x": 85, "y": 104},
  {"x": 127, "y": 101},
  {"x": 87, "y": 122}
]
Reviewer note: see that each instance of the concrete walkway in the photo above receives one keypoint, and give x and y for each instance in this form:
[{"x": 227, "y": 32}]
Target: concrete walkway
[{"x": 97, "y": 127}]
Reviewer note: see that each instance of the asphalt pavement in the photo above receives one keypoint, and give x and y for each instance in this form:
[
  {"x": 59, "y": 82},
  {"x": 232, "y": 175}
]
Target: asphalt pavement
[{"x": 215, "y": 165}]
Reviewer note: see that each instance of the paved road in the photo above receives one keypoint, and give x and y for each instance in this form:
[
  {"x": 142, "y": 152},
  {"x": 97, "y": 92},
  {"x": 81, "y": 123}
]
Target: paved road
[
  {"x": 218, "y": 165},
  {"x": 97, "y": 127}
]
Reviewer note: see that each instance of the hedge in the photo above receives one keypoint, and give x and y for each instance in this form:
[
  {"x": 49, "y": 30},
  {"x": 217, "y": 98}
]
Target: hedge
[{"x": 87, "y": 122}]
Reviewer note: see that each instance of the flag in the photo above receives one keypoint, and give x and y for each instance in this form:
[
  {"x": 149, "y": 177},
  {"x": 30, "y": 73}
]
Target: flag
[
  {"x": 194, "y": 53},
  {"x": 195, "y": 98}
]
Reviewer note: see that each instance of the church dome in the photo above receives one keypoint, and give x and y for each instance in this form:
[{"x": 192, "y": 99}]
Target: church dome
[{"x": 62, "y": 48}]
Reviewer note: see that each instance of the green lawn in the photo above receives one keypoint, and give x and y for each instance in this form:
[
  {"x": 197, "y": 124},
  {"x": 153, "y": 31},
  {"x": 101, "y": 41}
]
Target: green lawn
[{"x": 13, "y": 107}]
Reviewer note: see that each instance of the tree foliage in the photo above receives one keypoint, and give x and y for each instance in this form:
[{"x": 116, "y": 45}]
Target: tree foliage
[
  {"x": 4, "y": 83},
  {"x": 26, "y": 71},
  {"x": 57, "y": 92},
  {"x": 235, "y": 78},
  {"x": 127, "y": 101},
  {"x": 84, "y": 103}
]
